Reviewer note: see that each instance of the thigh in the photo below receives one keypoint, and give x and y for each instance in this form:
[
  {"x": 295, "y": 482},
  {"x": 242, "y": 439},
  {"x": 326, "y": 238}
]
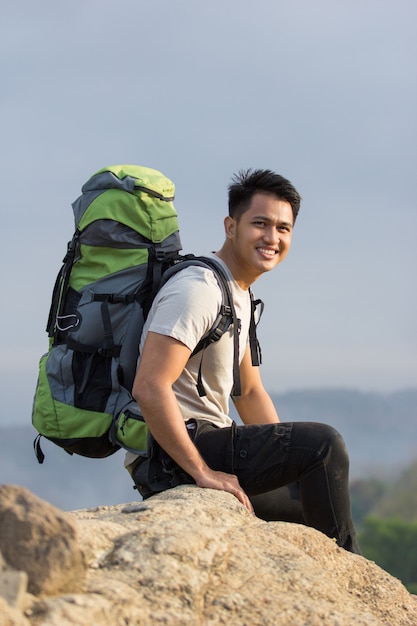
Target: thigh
[
  {"x": 262, "y": 456},
  {"x": 257, "y": 454},
  {"x": 282, "y": 504},
  {"x": 215, "y": 445}
]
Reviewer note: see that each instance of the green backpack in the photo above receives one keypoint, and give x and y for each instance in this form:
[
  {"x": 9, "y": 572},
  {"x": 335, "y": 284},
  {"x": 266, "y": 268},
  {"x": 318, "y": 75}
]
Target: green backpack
[{"x": 126, "y": 242}]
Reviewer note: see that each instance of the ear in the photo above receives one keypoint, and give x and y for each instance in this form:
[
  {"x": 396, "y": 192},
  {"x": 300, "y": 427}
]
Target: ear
[{"x": 229, "y": 226}]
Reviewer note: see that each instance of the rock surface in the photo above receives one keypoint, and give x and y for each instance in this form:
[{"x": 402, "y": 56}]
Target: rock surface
[
  {"x": 197, "y": 557},
  {"x": 41, "y": 540}
]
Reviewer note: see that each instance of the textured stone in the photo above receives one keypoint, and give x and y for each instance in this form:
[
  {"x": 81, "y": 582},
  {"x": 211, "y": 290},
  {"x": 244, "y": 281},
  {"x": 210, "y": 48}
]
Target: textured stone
[
  {"x": 11, "y": 616},
  {"x": 197, "y": 557},
  {"x": 13, "y": 586},
  {"x": 40, "y": 540}
]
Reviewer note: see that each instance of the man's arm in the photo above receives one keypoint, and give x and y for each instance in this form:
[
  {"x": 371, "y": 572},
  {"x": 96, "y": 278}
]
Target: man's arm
[
  {"x": 162, "y": 361},
  {"x": 254, "y": 405}
]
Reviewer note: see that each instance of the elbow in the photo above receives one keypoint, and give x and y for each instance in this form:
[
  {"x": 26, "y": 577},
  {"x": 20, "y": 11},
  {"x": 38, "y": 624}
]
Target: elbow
[{"x": 142, "y": 392}]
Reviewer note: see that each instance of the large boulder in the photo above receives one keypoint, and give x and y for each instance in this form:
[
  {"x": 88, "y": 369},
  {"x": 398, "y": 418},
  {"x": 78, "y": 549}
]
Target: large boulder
[
  {"x": 41, "y": 540},
  {"x": 197, "y": 557}
]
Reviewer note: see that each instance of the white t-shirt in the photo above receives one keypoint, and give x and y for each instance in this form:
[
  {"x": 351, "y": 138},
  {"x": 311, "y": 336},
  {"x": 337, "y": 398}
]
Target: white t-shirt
[{"x": 185, "y": 309}]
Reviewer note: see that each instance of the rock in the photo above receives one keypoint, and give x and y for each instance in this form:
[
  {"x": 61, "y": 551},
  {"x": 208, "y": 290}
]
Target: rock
[
  {"x": 40, "y": 540},
  {"x": 196, "y": 557},
  {"x": 13, "y": 585},
  {"x": 10, "y": 616}
]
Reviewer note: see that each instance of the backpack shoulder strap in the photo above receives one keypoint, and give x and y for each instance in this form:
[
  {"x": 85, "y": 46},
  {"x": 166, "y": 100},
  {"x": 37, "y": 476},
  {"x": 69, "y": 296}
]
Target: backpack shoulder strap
[
  {"x": 227, "y": 314},
  {"x": 226, "y": 317}
]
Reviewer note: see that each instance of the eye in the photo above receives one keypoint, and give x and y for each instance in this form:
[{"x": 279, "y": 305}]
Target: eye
[{"x": 259, "y": 223}]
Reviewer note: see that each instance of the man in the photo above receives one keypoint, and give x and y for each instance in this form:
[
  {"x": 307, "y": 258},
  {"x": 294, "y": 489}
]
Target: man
[{"x": 193, "y": 438}]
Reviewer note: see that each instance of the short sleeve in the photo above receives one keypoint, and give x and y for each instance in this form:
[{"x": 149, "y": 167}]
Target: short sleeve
[{"x": 187, "y": 306}]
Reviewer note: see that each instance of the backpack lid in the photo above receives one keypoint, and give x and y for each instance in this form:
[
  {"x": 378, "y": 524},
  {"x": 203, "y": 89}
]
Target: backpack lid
[
  {"x": 132, "y": 178},
  {"x": 139, "y": 197}
]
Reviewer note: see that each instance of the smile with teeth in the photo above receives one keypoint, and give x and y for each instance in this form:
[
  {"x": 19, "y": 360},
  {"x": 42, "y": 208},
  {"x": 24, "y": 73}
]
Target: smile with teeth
[{"x": 268, "y": 251}]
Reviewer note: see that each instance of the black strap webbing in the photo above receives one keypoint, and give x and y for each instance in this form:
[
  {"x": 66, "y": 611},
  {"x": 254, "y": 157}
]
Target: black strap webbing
[
  {"x": 61, "y": 285},
  {"x": 255, "y": 348},
  {"x": 38, "y": 450}
]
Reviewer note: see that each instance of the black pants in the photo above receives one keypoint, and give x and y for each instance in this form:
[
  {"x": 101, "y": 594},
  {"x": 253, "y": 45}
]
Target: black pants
[{"x": 296, "y": 472}]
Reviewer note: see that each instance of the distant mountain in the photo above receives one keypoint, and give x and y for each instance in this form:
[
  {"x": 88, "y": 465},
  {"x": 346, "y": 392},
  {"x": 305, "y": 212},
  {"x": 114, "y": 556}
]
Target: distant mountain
[
  {"x": 379, "y": 429},
  {"x": 69, "y": 482}
]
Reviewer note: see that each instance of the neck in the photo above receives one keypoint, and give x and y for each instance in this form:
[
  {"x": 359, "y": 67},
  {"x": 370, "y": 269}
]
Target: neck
[{"x": 239, "y": 274}]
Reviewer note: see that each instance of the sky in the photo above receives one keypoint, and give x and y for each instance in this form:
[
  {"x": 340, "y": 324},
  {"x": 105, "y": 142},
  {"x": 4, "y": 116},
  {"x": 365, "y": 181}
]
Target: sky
[{"x": 324, "y": 93}]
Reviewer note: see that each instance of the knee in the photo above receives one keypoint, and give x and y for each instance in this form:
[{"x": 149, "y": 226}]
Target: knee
[{"x": 333, "y": 445}]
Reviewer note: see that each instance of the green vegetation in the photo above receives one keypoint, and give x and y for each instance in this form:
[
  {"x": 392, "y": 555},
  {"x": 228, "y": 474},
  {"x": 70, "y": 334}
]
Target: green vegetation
[
  {"x": 392, "y": 544},
  {"x": 365, "y": 494},
  {"x": 386, "y": 518}
]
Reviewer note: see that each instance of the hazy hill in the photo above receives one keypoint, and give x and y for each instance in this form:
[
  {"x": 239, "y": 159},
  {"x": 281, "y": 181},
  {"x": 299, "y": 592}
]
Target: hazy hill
[
  {"x": 400, "y": 498},
  {"x": 69, "y": 482},
  {"x": 393, "y": 497},
  {"x": 379, "y": 429}
]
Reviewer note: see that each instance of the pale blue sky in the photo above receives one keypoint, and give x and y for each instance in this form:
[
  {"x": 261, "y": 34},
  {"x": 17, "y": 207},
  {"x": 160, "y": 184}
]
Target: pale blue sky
[{"x": 323, "y": 92}]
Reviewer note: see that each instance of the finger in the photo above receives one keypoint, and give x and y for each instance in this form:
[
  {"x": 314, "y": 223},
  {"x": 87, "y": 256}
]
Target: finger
[
  {"x": 249, "y": 505},
  {"x": 238, "y": 492},
  {"x": 243, "y": 498}
]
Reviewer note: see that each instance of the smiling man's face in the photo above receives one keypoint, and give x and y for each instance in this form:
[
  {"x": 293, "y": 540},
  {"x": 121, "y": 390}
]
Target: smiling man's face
[{"x": 260, "y": 238}]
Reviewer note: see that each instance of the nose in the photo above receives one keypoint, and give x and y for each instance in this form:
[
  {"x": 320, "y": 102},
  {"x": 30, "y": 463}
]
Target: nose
[{"x": 271, "y": 235}]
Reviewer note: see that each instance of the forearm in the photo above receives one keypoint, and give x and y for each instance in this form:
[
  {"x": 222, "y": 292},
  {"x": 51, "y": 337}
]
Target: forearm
[
  {"x": 163, "y": 416},
  {"x": 166, "y": 424},
  {"x": 256, "y": 407}
]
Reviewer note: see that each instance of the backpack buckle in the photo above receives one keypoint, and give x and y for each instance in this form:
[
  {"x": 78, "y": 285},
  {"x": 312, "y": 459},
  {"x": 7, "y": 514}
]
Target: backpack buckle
[{"x": 160, "y": 255}]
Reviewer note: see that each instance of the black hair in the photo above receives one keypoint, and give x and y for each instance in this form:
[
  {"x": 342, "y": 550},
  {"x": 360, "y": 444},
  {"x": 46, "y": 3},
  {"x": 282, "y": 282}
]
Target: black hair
[{"x": 248, "y": 182}]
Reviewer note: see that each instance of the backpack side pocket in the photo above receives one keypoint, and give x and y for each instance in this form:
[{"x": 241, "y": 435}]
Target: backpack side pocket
[{"x": 54, "y": 416}]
